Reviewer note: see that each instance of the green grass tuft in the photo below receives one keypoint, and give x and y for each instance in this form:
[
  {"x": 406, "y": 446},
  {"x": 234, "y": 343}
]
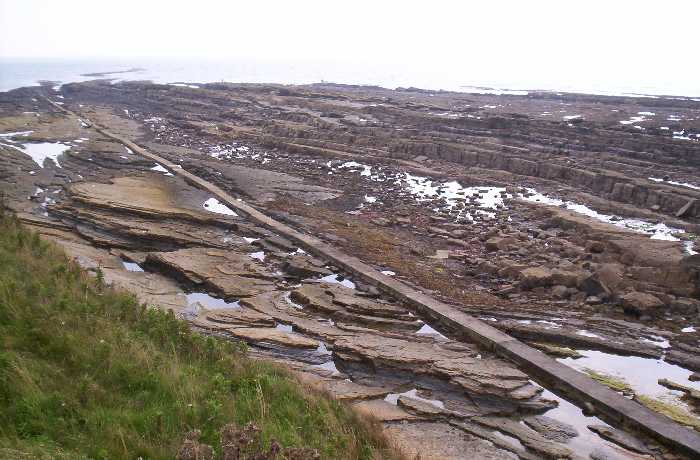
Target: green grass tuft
[
  {"x": 87, "y": 372},
  {"x": 610, "y": 381},
  {"x": 673, "y": 411}
]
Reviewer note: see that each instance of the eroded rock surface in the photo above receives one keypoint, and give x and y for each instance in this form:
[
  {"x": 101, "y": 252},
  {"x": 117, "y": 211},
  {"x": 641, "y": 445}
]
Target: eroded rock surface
[
  {"x": 229, "y": 273},
  {"x": 377, "y": 179}
]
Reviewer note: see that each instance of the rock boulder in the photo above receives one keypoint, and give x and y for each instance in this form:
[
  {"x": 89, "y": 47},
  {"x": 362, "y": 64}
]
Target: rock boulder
[
  {"x": 535, "y": 277},
  {"x": 641, "y": 303}
]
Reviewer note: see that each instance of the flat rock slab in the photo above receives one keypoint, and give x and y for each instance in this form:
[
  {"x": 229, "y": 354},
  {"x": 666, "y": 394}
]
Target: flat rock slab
[
  {"x": 241, "y": 317},
  {"x": 528, "y": 437},
  {"x": 689, "y": 392},
  {"x": 302, "y": 266},
  {"x": 620, "y": 438},
  {"x": 154, "y": 220},
  {"x": 276, "y": 243},
  {"x": 272, "y": 335},
  {"x": 334, "y": 299},
  {"x": 342, "y": 304},
  {"x": 686, "y": 207},
  {"x": 265, "y": 185},
  {"x": 129, "y": 231},
  {"x": 461, "y": 367},
  {"x": 347, "y": 390},
  {"x": 440, "y": 441},
  {"x": 441, "y": 254},
  {"x": 419, "y": 407},
  {"x": 149, "y": 196},
  {"x": 383, "y": 411},
  {"x": 150, "y": 288},
  {"x": 365, "y": 350},
  {"x": 551, "y": 429},
  {"x": 229, "y": 273}
]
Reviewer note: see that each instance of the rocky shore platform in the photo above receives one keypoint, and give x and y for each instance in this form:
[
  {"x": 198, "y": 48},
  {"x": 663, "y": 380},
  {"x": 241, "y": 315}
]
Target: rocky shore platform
[{"x": 566, "y": 221}]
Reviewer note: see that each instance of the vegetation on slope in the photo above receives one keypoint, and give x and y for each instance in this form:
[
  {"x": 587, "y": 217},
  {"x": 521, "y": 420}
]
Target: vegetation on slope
[{"x": 87, "y": 372}]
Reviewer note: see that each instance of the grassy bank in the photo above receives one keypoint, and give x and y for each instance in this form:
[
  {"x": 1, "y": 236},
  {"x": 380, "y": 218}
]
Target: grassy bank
[{"x": 87, "y": 372}]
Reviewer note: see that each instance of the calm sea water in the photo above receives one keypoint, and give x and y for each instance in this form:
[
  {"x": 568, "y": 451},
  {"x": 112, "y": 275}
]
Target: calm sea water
[{"x": 16, "y": 73}]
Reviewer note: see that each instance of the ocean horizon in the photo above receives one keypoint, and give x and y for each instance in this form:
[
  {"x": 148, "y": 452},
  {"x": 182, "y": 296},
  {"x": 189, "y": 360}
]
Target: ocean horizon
[{"x": 21, "y": 72}]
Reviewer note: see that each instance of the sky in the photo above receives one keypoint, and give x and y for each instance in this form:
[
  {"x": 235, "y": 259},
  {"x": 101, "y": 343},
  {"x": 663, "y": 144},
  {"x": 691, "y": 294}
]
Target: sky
[{"x": 616, "y": 41}]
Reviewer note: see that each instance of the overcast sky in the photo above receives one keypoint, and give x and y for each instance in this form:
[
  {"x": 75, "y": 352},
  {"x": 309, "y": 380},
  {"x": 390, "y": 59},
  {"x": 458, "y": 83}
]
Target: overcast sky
[{"x": 655, "y": 42}]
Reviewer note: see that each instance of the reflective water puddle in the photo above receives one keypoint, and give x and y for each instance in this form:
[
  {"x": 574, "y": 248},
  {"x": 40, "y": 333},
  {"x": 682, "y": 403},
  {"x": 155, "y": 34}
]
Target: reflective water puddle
[
  {"x": 214, "y": 205},
  {"x": 131, "y": 266},
  {"x": 587, "y": 441},
  {"x": 41, "y": 151},
  {"x": 209, "y": 302},
  {"x": 336, "y": 278},
  {"x": 642, "y": 374},
  {"x": 260, "y": 255},
  {"x": 160, "y": 168}
]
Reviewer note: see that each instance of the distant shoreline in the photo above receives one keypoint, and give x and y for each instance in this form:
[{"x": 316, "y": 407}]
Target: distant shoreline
[
  {"x": 113, "y": 72},
  {"x": 18, "y": 73}
]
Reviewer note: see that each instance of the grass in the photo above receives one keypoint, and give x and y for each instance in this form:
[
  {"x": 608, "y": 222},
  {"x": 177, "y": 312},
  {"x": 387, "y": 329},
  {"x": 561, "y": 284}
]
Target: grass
[
  {"x": 556, "y": 350},
  {"x": 673, "y": 411},
  {"x": 676, "y": 413},
  {"x": 610, "y": 381},
  {"x": 87, "y": 372}
]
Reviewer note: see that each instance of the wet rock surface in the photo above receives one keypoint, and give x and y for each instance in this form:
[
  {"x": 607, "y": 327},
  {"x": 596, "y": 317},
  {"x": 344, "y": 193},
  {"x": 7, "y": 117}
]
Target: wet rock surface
[
  {"x": 429, "y": 190},
  {"x": 261, "y": 335},
  {"x": 621, "y": 438},
  {"x": 551, "y": 429}
]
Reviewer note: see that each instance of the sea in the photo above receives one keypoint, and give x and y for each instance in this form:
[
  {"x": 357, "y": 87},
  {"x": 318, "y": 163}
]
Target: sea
[{"x": 20, "y": 72}]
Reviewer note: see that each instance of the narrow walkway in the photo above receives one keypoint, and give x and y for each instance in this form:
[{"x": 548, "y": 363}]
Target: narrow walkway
[{"x": 559, "y": 378}]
